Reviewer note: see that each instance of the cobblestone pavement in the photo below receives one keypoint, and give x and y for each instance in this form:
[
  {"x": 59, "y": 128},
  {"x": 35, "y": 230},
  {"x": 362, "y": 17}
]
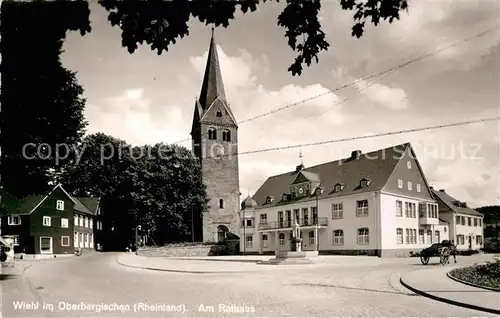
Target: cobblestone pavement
[{"x": 370, "y": 290}]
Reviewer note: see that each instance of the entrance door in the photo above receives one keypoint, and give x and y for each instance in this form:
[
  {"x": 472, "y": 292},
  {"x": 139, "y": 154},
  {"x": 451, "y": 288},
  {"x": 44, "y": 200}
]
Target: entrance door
[{"x": 46, "y": 245}]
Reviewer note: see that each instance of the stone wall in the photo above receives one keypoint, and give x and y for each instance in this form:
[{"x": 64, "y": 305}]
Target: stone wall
[
  {"x": 190, "y": 250},
  {"x": 221, "y": 178},
  {"x": 177, "y": 250}
]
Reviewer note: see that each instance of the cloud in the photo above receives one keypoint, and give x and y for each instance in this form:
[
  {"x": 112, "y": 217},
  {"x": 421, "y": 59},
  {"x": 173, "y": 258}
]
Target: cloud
[
  {"x": 428, "y": 26},
  {"x": 132, "y": 116},
  {"x": 248, "y": 99},
  {"x": 383, "y": 95}
]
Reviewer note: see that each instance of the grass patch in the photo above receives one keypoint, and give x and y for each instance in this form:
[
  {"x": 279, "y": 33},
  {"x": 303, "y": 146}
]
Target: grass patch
[{"x": 487, "y": 275}]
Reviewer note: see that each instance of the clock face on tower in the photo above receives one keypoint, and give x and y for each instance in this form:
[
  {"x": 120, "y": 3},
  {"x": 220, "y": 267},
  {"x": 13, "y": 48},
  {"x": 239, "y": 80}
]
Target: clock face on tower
[{"x": 301, "y": 190}]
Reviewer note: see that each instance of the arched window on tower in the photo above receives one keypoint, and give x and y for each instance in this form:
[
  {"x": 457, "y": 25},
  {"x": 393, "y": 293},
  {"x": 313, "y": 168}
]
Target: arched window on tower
[
  {"x": 226, "y": 135},
  {"x": 212, "y": 134},
  {"x": 219, "y": 113},
  {"x": 221, "y": 204}
]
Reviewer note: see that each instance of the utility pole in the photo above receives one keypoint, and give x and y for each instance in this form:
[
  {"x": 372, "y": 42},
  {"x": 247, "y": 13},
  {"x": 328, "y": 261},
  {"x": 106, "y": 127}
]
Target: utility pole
[
  {"x": 192, "y": 224},
  {"x": 317, "y": 222},
  {"x": 242, "y": 216},
  {"x": 136, "y": 234}
]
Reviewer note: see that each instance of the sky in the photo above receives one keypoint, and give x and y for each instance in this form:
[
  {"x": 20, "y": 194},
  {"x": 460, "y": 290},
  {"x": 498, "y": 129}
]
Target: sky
[{"x": 144, "y": 98}]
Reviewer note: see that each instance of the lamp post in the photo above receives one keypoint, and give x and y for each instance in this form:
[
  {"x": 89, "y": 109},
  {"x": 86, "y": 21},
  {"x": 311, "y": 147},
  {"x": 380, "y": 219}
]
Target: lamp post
[
  {"x": 242, "y": 216},
  {"x": 136, "y": 234},
  {"x": 192, "y": 224},
  {"x": 317, "y": 192}
]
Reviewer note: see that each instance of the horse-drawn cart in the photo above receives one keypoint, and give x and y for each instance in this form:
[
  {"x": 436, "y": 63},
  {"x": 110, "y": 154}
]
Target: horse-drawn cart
[{"x": 441, "y": 250}]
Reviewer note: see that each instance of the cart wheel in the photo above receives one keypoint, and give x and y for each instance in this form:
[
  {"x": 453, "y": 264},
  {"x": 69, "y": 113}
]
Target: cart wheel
[
  {"x": 424, "y": 259},
  {"x": 444, "y": 258}
]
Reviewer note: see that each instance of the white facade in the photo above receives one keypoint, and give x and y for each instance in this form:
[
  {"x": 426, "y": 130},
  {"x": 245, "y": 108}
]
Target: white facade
[
  {"x": 355, "y": 223},
  {"x": 466, "y": 230},
  {"x": 411, "y": 228}
]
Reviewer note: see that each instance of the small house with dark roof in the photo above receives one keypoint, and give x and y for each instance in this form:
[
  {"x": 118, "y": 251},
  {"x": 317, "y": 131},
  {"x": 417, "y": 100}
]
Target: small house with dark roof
[
  {"x": 377, "y": 203},
  {"x": 466, "y": 224},
  {"x": 49, "y": 225}
]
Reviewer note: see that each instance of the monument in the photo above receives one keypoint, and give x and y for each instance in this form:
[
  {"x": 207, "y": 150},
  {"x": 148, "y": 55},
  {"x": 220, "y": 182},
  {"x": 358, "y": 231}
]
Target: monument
[{"x": 296, "y": 255}]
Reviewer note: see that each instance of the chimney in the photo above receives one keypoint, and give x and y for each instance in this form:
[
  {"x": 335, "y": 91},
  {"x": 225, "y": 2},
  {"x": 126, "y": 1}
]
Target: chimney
[
  {"x": 441, "y": 190},
  {"x": 356, "y": 154}
]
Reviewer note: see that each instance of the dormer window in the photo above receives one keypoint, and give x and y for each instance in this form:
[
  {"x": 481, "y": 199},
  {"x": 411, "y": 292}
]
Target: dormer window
[
  {"x": 364, "y": 183},
  {"x": 219, "y": 113},
  {"x": 269, "y": 200},
  {"x": 338, "y": 187},
  {"x": 318, "y": 191},
  {"x": 284, "y": 197}
]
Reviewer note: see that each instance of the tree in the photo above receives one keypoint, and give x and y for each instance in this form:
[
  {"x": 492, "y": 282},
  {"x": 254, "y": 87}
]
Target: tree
[
  {"x": 491, "y": 214},
  {"x": 99, "y": 167},
  {"x": 161, "y": 23},
  {"x": 172, "y": 195},
  {"x": 161, "y": 183},
  {"x": 41, "y": 100}
]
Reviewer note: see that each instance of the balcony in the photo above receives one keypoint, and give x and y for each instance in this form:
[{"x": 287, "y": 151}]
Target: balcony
[
  {"x": 428, "y": 214},
  {"x": 289, "y": 224}
]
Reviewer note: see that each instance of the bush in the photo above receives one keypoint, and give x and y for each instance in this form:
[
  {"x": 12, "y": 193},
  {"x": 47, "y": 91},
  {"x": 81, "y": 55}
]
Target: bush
[
  {"x": 486, "y": 275},
  {"x": 491, "y": 269}
]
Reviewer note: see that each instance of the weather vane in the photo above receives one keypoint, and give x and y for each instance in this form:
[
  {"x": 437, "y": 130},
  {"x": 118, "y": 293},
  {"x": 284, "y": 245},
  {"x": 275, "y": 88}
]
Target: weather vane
[{"x": 300, "y": 156}]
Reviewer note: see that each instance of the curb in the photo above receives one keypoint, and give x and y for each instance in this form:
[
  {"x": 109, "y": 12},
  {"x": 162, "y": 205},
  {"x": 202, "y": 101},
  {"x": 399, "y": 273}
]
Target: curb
[
  {"x": 470, "y": 284},
  {"x": 449, "y": 301},
  {"x": 180, "y": 271},
  {"x": 205, "y": 259}
]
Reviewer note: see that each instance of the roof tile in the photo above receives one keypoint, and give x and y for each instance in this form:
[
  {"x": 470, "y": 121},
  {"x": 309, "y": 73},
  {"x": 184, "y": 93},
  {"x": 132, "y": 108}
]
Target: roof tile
[{"x": 377, "y": 166}]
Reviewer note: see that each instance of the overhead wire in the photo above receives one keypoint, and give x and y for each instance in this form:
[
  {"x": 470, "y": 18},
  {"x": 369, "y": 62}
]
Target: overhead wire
[
  {"x": 373, "y": 76},
  {"x": 398, "y": 132}
]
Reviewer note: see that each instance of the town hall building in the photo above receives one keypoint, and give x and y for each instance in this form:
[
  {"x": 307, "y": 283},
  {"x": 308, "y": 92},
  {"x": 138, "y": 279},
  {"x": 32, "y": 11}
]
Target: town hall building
[{"x": 378, "y": 203}]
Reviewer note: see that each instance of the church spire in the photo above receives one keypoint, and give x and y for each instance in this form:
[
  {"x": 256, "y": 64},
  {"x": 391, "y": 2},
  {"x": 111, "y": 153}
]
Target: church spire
[{"x": 212, "y": 86}]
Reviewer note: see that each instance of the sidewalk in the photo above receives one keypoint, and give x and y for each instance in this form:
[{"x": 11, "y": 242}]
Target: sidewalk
[{"x": 434, "y": 283}]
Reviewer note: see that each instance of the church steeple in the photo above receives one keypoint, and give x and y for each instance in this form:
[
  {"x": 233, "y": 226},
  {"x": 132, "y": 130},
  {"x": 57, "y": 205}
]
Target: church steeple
[
  {"x": 214, "y": 132},
  {"x": 212, "y": 86}
]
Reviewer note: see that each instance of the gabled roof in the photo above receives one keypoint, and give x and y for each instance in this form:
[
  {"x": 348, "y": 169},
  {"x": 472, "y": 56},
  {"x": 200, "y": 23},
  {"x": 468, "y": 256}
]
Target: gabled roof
[
  {"x": 376, "y": 166},
  {"x": 59, "y": 186},
  {"x": 21, "y": 206},
  {"x": 92, "y": 204},
  {"x": 80, "y": 207},
  {"x": 29, "y": 204},
  {"x": 304, "y": 176},
  {"x": 448, "y": 200}
]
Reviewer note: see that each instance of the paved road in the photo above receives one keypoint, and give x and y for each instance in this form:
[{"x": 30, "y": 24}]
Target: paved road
[{"x": 347, "y": 291}]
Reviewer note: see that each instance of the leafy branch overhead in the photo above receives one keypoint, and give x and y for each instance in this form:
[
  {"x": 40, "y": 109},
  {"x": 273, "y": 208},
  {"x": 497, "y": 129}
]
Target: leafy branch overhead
[{"x": 161, "y": 23}]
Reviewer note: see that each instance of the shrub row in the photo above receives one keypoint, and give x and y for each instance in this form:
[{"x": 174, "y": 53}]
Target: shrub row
[{"x": 487, "y": 275}]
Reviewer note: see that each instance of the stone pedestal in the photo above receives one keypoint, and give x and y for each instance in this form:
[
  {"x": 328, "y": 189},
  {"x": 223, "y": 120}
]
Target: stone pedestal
[
  {"x": 288, "y": 258},
  {"x": 298, "y": 246}
]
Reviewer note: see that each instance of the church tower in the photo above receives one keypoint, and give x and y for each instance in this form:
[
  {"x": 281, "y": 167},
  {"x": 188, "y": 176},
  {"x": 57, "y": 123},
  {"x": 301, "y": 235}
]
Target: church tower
[{"x": 215, "y": 143}]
